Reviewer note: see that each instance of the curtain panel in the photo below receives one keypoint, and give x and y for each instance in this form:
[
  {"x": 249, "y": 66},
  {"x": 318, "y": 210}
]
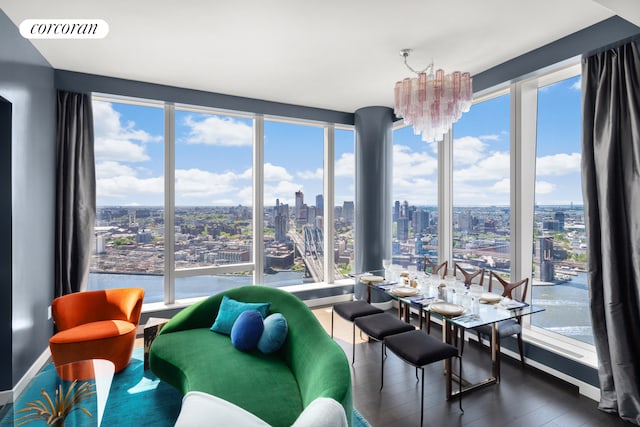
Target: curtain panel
[
  {"x": 611, "y": 190},
  {"x": 75, "y": 192}
]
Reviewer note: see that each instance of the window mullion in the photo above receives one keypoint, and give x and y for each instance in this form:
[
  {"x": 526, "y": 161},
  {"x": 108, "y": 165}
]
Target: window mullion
[
  {"x": 523, "y": 166},
  {"x": 329, "y": 202},
  {"x": 445, "y": 198},
  {"x": 258, "y": 199},
  {"x": 169, "y": 203}
]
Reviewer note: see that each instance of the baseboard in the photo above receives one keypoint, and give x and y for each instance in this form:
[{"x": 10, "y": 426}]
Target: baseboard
[
  {"x": 587, "y": 390},
  {"x": 6, "y": 396},
  {"x": 10, "y": 396}
]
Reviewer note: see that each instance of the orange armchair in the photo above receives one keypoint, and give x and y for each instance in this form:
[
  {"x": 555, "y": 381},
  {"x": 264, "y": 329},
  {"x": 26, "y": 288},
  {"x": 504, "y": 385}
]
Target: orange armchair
[{"x": 96, "y": 325}]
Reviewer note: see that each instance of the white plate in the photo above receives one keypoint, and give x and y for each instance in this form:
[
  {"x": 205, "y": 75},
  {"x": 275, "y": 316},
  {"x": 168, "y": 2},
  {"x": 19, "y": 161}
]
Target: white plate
[
  {"x": 490, "y": 297},
  {"x": 447, "y": 309},
  {"x": 371, "y": 279},
  {"x": 404, "y": 291}
]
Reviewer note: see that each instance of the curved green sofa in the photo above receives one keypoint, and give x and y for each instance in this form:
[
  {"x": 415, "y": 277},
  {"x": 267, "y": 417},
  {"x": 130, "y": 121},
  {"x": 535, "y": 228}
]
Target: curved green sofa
[{"x": 275, "y": 387}]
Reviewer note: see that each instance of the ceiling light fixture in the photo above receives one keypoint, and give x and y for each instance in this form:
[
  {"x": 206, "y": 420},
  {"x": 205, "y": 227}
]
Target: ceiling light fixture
[{"x": 433, "y": 101}]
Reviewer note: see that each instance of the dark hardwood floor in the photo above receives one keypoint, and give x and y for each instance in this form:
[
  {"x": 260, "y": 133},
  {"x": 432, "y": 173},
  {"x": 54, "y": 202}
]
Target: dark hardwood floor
[{"x": 524, "y": 397}]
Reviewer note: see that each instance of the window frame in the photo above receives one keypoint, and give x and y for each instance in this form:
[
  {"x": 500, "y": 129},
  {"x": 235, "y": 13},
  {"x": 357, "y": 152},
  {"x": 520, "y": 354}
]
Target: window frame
[
  {"x": 256, "y": 265},
  {"x": 524, "y": 142}
]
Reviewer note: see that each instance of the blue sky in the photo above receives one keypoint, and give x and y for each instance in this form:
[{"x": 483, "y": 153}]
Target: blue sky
[{"x": 214, "y": 157}]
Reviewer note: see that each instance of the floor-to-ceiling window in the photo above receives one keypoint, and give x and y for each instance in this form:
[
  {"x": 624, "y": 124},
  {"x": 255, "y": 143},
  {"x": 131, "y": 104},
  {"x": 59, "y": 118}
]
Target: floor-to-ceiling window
[
  {"x": 293, "y": 203},
  {"x": 481, "y": 186},
  {"x": 560, "y": 245},
  {"x": 176, "y": 193},
  {"x": 213, "y": 225},
  {"x": 415, "y": 198},
  {"x": 129, "y": 231},
  {"x": 344, "y": 199}
]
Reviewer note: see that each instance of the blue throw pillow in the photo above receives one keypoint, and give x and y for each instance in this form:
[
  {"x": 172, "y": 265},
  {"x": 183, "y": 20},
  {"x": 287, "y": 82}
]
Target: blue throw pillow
[
  {"x": 230, "y": 309},
  {"x": 275, "y": 332},
  {"x": 247, "y": 330}
]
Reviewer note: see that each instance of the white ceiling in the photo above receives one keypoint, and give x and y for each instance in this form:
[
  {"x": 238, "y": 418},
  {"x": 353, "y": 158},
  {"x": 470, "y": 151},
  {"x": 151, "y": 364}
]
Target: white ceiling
[{"x": 335, "y": 54}]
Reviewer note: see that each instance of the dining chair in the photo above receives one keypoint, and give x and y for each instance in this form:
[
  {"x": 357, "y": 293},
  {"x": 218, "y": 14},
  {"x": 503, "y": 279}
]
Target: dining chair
[
  {"x": 507, "y": 327},
  {"x": 440, "y": 269},
  {"x": 350, "y": 311},
  {"x": 420, "y": 349},
  {"x": 469, "y": 276}
]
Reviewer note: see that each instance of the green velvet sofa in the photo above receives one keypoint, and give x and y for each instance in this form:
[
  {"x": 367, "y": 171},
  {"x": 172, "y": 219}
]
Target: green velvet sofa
[{"x": 275, "y": 387}]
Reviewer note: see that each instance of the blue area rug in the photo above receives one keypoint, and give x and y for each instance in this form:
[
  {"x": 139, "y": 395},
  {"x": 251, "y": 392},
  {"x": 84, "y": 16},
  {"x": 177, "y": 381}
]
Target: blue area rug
[{"x": 137, "y": 398}]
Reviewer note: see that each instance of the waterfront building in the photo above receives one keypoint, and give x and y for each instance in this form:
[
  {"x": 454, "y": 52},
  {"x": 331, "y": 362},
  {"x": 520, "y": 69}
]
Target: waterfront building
[{"x": 544, "y": 253}]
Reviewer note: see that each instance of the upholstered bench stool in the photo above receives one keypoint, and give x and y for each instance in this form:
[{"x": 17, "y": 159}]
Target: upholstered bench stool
[
  {"x": 381, "y": 325},
  {"x": 351, "y": 310},
  {"x": 418, "y": 348}
]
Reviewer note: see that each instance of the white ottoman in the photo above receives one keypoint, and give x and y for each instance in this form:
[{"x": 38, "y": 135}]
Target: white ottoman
[{"x": 204, "y": 410}]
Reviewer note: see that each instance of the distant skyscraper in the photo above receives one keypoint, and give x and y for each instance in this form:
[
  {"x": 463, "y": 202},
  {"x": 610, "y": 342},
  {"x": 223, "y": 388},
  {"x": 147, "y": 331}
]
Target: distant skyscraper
[
  {"x": 299, "y": 203},
  {"x": 559, "y": 216},
  {"x": 403, "y": 229},
  {"x": 348, "y": 211},
  {"x": 420, "y": 220},
  {"x": 312, "y": 213},
  {"x": 465, "y": 221},
  {"x": 545, "y": 258},
  {"x": 281, "y": 221},
  {"x": 320, "y": 204},
  {"x": 396, "y": 210},
  {"x": 404, "y": 210}
]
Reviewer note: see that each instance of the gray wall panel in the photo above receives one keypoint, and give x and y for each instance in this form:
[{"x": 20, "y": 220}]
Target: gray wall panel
[{"x": 27, "y": 217}]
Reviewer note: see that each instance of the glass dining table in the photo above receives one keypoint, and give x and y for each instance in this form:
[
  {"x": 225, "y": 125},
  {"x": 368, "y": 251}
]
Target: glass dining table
[{"x": 455, "y": 314}]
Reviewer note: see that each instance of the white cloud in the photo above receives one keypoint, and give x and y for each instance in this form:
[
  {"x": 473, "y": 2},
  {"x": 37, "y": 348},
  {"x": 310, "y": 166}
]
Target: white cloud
[
  {"x": 199, "y": 184},
  {"x": 275, "y": 173},
  {"x": 110, "y": 169},
  {"x": 345, "y": 166},
  {"x": 558, "y": 164},
  {"x": 468, "y": 150},
  {"x": 407, "y": 163},
  {"x": 489, "y": 137},
  {"x": 414, "y": 175},
  {"x": 494, "y": 167},
  {"x": 130, "y": 187},
  {"x": 283, "y": 190},
  {"x": 577, "y": 85},
  {"x": 317, "y": 174},
  {"x": 501, "y": 187},
  {"x": 216, "y": 130},
  {"x": 118, "y": 141},
  {"x": 545, "y": 187}
]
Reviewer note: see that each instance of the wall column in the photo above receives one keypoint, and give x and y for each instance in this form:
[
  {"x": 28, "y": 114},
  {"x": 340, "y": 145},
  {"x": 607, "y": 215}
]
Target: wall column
[{"x": 374, "y": 156}]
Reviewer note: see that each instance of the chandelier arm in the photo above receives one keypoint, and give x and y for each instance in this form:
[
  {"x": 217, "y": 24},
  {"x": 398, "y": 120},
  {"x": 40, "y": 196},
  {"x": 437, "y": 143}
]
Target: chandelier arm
[{"x": 405, "y": 55}]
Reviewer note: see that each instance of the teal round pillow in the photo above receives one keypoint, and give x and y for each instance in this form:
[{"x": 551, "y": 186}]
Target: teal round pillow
[
  {"x": 247, "y": 330},
  {"x": 274, "y": 334}
]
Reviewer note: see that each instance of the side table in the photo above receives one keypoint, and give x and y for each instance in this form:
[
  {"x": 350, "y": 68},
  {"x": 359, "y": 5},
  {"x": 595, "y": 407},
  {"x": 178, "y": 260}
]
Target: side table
[{"x": 151, "y": 330}]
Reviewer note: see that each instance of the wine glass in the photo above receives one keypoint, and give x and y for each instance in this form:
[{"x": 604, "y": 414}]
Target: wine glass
[{"x": 386, "y": 264}]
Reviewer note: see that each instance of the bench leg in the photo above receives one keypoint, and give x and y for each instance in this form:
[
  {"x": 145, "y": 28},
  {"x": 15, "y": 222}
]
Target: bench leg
[{"x": 382, "y": 367}]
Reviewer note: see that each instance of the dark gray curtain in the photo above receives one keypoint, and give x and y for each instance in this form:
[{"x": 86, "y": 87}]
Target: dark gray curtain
[
  {"x": 75, "y": 192},
  {"x": 611, "y": 189}
]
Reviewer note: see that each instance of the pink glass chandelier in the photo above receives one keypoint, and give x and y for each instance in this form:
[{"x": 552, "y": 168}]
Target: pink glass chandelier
[{"x": 432, "y": 102}]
